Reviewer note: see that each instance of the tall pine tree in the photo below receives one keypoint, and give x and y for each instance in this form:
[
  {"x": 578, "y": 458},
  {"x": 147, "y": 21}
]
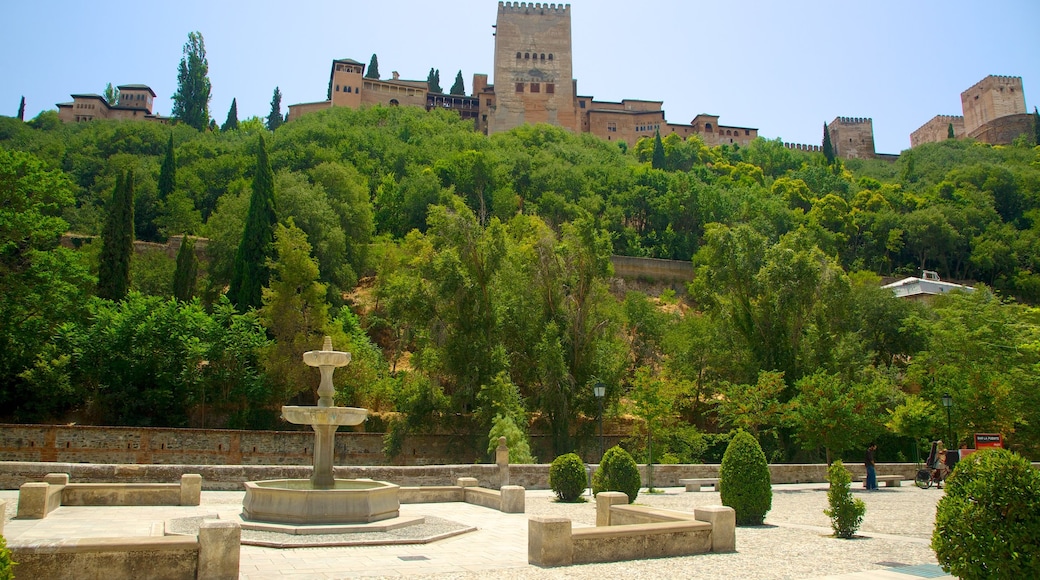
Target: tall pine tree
[
  {"x": 187, "y": 270},
  {"x": 828, "y": 149},
  {"x": 433, "y": 80},
  {"x": 1036, "y": 127},
  {"x": 191, "y": 101},
  {"x": 168, "y": 173},
  {"x": 949, "y": 132},
  {"x": 373, "y": 68},
  {"x": 117, "y": 241},
  {"x": 250, "y": 271},
  {"x": 21, "y": 109},
  {"x": 274, "y": 119},
  {"x": 231, "y": 124},
  {"x": 657, "y": 161},
  {"x": 459, "y": 88}
]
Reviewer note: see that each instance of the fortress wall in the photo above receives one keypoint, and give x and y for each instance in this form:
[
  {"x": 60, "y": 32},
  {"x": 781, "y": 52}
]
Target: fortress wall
[
  {"x": 937, "y": 129},
  {"x": 1004, "y": 130}
]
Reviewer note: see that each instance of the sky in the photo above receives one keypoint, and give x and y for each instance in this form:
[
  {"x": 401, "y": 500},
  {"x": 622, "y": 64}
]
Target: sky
[{"x": 785, "y": 68}]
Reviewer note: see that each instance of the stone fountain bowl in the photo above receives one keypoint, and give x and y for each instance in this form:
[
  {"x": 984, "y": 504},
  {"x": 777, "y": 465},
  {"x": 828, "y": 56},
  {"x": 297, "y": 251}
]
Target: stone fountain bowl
[
  {"x": 295, "y": 501},
  {"x": 324, "y": 415}
]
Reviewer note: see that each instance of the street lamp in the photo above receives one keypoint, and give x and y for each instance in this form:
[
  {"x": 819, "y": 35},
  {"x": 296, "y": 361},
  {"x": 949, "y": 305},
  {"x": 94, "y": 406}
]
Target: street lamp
[
  {"x": 600, "y": 390},
  {"x": 947, "y": 401}
]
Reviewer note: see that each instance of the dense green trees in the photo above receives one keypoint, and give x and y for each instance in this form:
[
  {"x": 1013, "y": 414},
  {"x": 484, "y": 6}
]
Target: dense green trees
[
  {"x": 434, "y": 81},
  {"x": 117, "y": 241},
  {"x": 251, "y": 269},
  {"x": 191, "y": 101},
  {"x": 471, "y": 275}
]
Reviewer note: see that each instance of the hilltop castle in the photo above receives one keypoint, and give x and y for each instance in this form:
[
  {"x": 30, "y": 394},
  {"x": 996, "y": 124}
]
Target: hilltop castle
[{"x": 534, "y": 83}]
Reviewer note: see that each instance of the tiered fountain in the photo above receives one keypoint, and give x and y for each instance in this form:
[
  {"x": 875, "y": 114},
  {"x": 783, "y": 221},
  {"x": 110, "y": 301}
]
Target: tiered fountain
[{"x": 322, "y": 499}]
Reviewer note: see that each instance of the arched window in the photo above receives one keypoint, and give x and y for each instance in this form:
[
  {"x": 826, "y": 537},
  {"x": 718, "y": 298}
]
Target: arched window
[
  {"x": 550, "y": 56},
  {"x": 394, "y": 103},
  {"x": 543, "y": 56},
  {"x": 518, "y": 55},
  {"x": 707, "y": 127},
  {"x": 527, "y": 55}
]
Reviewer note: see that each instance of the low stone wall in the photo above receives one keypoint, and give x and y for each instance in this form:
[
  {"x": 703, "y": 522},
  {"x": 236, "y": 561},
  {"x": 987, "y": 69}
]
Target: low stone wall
[
  {"x": 536, "y": 476},
  {"x": 213, "y": 554}
]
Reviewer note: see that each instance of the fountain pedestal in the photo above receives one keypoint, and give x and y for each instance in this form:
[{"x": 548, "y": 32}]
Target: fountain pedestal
[{"x": 322, "y": 499}]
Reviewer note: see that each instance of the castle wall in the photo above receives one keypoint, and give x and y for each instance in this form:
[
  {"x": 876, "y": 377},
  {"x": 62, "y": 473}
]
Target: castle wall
[
  {"x": 1004, "y": 130},
  {"x": 391, "y": 93},
  {"x": 991, "y": 98},
  {"x": 852, "y": 137},
  {"x": 300, "y": 109},
  {"x": 938, "y": 129},
  {"x": 533, "y": 71}
]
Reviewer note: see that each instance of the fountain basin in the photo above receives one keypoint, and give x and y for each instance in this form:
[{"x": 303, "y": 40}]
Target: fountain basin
[
  {"x": 296, "y": 501},
  {"x": 324, "y": 415}
]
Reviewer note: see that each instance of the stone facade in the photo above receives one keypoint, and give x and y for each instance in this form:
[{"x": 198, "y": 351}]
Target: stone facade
[
  {"x": 852, "y": 137},
  {"x": 135, "y": 102},
  {"x": 937, "y": 130}
]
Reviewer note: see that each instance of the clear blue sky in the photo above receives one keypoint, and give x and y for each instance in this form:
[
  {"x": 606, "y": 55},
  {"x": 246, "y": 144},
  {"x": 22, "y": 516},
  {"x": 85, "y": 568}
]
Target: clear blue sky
[{"x": 783, "y": 67}]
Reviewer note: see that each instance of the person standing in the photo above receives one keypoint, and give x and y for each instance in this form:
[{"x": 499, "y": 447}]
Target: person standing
[{"x": 871, "y": 483}]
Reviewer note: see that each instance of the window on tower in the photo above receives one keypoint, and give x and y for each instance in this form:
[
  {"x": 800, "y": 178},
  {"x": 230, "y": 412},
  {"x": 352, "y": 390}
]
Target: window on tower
[
  {"x": 550, "y": 88},
  {"x": 536, "y": 88},
  {"x": 519, "y": 87}
]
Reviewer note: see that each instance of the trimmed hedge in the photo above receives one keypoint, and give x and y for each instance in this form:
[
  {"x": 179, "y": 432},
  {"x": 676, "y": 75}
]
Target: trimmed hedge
[
  {"x": 744, "y": 481},
  {"x": 567, "y": 477},
  {"x": 617, "y": 472},
  {"x": 988, "y": 523}
]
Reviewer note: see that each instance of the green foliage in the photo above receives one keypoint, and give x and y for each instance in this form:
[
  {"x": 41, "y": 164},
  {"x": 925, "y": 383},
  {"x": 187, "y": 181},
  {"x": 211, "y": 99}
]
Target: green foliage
[
  {"x": 168, "y": 173},
  {"x": 251, "y": 270},
  {"x": 372, "y": 72},
  {"x": 274, "y": 118},
  {"x": 191, "y": 101},
  {"x": 6, "y": 563},
  {"x": 567, "y": 477},
  {"x": 828, "y": 147},
  {"x": 111, "y": 95},
  {"x": 21, "y": 109},
  {"x": 231, "y": 123},
  {"x": 949, "y": 132},
  {"x": 988, "y": 523},
  {"x": 516, "y": 440},
  {"x": 617, "y": 471},
  {"x": 846, "y": 512},
  {"x": 458, "y": 88},
  {"x": 433, "y": 80},
  {"x": 744, "y": 481},
  {"x": 117, "y": 241},
  {"x": 185, "y": 275}
]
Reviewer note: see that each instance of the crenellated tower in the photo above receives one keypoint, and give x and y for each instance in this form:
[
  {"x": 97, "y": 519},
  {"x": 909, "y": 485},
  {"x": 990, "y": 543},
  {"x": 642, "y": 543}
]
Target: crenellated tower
[
  {"x": 533, "y": 79},
  {"x": 852, "y": 137}
]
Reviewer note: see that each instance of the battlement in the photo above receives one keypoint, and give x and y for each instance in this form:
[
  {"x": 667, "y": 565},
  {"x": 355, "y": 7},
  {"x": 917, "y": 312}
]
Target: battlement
[
  {"x": 528, "y": 7},
  {"x": 803, "y": 147},
  {"x": 854, "y": 120},
  {"x": 992, "y": 80}
]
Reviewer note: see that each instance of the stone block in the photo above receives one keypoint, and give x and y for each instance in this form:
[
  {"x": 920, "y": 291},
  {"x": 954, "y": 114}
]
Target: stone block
[
  {"x": 549, "y": 542},
  {"x": 466, "y": 482},
  {"x": 513, "y": 498},
  {"x": 32, "y": 500},
  {"x": 219, "y": 550},
  {"x": 604, "y": 500},
  {"x": 723, "y": 522},
  {"x": 191, "y": 489},
  {"x": 56, "y": 478}
]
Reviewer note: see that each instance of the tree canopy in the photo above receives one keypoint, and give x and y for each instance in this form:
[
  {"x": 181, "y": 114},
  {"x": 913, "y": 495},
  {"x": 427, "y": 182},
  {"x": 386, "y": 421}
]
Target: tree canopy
[{"x": 191, "y": 101}]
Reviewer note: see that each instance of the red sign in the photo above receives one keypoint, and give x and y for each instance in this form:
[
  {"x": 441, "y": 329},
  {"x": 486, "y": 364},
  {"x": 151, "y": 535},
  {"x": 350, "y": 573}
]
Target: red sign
[{"x": 989, "y": 440}]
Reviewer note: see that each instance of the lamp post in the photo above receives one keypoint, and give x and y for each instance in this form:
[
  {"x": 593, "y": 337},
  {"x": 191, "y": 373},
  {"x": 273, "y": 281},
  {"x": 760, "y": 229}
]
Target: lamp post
[
  {"x": 947, "y": 401},
  {"x": 600, "y": 390}
]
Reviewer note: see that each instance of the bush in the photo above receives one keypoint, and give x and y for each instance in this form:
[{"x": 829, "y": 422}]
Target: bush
[
  {"x": 988, "y": 523},
  {"x": 6, "y": 563},
  {"x": 617, "y": 472},
  {"x": 846, "y": 512},
  {"x": 567, "y": 477},
  {"x": 516, "y": 440},
  {"x": 744, "y": 482}
]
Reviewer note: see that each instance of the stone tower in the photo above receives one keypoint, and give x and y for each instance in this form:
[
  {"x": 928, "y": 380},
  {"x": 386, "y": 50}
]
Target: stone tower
[
  {"x": 852, "y": 137},
  {"x": 991, "y": 98},
  {"x": 533, "y": 75},
  {"x": 346, "y": 83}
]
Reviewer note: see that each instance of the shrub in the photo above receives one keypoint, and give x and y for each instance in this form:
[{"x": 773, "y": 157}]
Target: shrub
[
  {"x": 744, "y": 482},
  {"x": 6, "y": 563},
  {"x": 988, "y": 523},
  {"x": 516, "y": 440},
  {"x": 846, "y": 512},
  {"x": 567, "y": 477},
  {"x": 617, "y": 472}
]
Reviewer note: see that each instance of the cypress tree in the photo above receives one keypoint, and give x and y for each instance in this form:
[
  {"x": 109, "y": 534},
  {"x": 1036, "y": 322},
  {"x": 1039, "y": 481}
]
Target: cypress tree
[
  {"x": 21, "y": 109},
  {"x": 250, "y": 271},
  {"x": 168, "y": 173},
  {"x": 459, "y": 88},
  {"x": 191, "y": 101},
  {"x": 187, "y": 270},
  {"x": 117, "y": 241},
  {"x": 1036, "y": 127},
  {"x": 657, "y": 161},
  {"x": 373, "y": 68},
  {"x": 433, "y": 80},
  {"x": 231, "y": 124},
  {"x": 274, "y": 120},
  {"x": 949, "y": 132},
  {"x": 828, "y": 149}
]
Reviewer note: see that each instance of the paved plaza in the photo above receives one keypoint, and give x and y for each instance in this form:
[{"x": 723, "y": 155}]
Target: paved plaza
[{"x": 794, "y": 543}]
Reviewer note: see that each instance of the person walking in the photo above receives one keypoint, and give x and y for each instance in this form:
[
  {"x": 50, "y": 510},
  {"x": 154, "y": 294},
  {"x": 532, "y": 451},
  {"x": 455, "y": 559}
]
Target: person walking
[{"x": 871, "y": 483}]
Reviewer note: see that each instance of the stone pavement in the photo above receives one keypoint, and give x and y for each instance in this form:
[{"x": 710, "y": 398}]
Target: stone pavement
[{"x": 794, "y": 543}]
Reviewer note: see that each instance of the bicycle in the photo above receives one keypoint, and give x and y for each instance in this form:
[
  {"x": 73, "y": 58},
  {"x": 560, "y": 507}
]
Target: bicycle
[{"x": 926, "y": 477}]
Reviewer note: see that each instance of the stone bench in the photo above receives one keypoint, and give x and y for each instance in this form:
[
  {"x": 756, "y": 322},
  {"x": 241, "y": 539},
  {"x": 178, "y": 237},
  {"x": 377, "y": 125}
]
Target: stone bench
[
  {"x": 891, "y": 480},
  {"x": 510, "y": 499},
  {"x": 694, "y": 484},
  {"x": 625, "y": 532},
  {"x": 37, "y": 499},
  {"x": 213, "y": 554}
]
